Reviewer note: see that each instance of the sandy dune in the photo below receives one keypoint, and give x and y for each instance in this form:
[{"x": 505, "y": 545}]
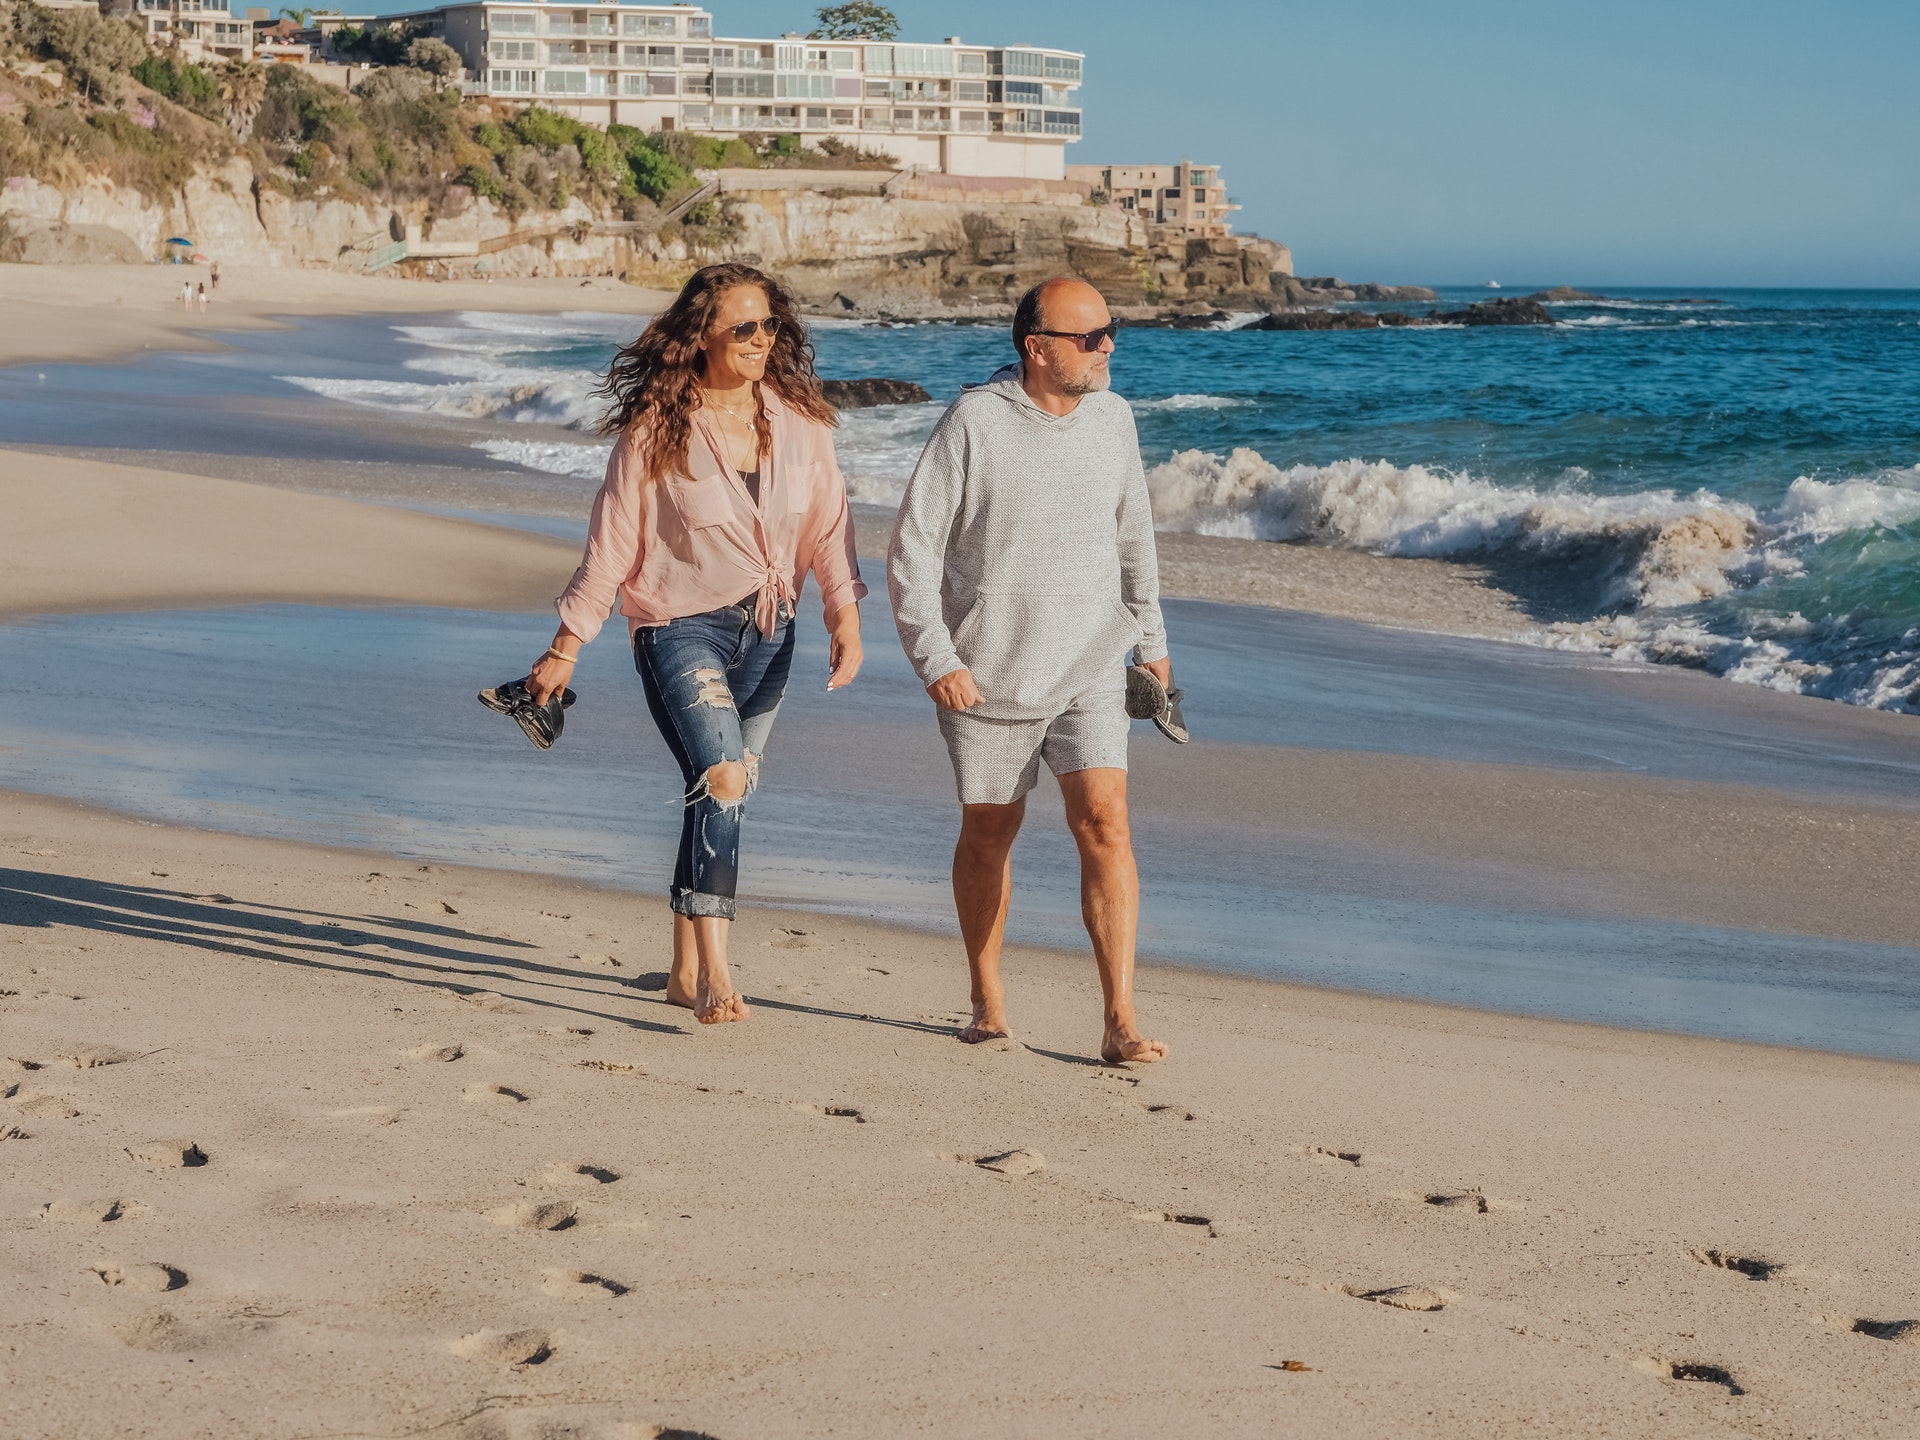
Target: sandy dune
[{"x": 304, "y": 1142}]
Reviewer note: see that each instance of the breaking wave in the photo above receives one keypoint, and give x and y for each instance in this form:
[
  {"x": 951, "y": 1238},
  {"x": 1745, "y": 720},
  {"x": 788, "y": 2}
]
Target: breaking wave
[{"x": 1669, "y": 578}]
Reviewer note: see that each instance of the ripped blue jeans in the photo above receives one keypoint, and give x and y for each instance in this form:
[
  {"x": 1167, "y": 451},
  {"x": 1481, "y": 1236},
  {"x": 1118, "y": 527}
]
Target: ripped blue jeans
[{"x": 714, "y": 684}]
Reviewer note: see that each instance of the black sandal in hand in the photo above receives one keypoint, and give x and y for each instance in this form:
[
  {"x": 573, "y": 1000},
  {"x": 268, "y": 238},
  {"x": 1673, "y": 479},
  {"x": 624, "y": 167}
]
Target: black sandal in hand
[
  {"x": 542, "y": 723},
  {"x": 1148, "y": 699}
]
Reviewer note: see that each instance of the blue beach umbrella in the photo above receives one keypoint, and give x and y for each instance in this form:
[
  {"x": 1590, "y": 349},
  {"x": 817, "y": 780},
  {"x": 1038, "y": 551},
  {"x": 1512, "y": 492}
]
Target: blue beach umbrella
[{"x": 177, "y": 240}]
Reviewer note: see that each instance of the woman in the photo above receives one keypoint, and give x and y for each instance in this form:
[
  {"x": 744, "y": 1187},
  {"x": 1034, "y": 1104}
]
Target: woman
[{"x": 722, "y": 493}]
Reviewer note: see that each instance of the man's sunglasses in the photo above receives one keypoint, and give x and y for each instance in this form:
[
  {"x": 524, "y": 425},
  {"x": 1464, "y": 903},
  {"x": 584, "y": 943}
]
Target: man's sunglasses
[
  {"x": 1087, "y": 340},
  {"x": 746, "y": 329}
]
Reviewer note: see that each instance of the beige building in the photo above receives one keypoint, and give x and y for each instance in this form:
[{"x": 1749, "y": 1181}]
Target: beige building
[
  {"x": 1187, "y": 197},
  {"x": 198, "y": 30},
  {"x": 950, "y": 107}
]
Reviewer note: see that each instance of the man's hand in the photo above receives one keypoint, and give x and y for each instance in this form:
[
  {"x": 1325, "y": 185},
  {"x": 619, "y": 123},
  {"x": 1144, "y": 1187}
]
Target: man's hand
[
  {"x": 956, "y": 691},
  {"x": 1161, "y": 670}
]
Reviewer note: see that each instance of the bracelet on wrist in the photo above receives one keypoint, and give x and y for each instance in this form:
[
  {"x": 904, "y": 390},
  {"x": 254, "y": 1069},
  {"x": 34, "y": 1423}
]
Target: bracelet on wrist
[{"x": 560, "y": 655}]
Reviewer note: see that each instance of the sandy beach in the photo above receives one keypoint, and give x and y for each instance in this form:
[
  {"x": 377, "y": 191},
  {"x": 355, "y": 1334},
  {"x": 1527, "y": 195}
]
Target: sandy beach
[{"x": 311, "y": 1140}]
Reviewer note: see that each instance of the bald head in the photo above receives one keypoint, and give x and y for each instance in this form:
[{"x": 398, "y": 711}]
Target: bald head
[{"x": 1040, "y": 308}]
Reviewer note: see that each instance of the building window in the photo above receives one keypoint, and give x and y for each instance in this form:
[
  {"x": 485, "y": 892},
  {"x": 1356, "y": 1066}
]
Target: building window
[
  {"x": 804, "y": 87},
  {"x": 701, "y": 25},
  {"x": 633, "y": 24},
  {"x": 841, "y": 119},
  {"x": 743, "y": 86},
  {"x": 527, "y": 50},
  {"x": 696, "y": 55},
  {"x": 974, "y": 90},
  {"x": 970, "y": 62},
  {"x": 723, "y": 117},
  {"x": 1062, "y": 122},
  {"x": 973, "y": 121},
  {"x": 1022, "y": 62},
  {"x": 1022, "y": 92},
  {"x": 696, "y": 84},
  {"x": 694, "y": 117},
  {"x": 566, "y": 82},
  {"x": 816, "y": 117},
  {"x": 789, "y": 57},
  {"x": 510, "y": 22},
  {"x": 662, "y": 25},
  {"x": 663, "y": 84},
  {"x": 1063, "y": 67},
  {"x": 922, "y": 60},
  {"x": 879, "y": 59}
]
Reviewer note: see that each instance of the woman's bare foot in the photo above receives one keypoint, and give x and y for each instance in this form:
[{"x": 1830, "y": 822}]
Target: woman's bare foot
[
  {"x": 718, "y": 1006},
  {"x": 989, "y": 1023},
  {"x": 680, "y": 986},
  {"x": 1125, "y": 1045}
]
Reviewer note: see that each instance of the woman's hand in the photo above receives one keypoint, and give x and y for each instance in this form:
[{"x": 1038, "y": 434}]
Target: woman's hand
[
  {"x": 552, "y": 670},
  {"x": 843, "y": 646}
]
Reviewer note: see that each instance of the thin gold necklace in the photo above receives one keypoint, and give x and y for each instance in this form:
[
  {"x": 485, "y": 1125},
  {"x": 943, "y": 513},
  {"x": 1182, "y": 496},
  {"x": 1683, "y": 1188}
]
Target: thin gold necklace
[{"x": 706, "y": 395}]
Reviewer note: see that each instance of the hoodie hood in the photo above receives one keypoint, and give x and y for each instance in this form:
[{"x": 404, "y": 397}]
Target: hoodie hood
[{"x": 1005, "y": 383}]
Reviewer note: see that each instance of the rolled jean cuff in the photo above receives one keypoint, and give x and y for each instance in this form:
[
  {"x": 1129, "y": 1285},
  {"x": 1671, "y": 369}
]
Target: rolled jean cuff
[{"x": 693, "y": 902}]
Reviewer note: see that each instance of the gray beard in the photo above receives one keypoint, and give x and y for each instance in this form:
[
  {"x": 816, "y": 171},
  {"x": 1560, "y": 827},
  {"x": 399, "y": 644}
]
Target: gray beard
[{"x": 1094, "y": 382}]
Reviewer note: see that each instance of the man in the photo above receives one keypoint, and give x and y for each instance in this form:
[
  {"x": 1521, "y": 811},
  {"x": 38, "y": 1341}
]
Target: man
[{"x": 1022, "y": 570}]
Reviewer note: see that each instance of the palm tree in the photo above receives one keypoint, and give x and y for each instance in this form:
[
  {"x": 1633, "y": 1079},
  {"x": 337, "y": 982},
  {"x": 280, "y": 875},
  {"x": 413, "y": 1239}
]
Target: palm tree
[
  {"x": 301, "y": 16},
  {"x": 243, "y": 87}
]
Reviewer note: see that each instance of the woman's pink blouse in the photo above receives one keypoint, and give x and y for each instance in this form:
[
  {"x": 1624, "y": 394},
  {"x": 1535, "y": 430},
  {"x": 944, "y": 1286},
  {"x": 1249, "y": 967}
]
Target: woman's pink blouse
[{"x": 697, "y": 541}]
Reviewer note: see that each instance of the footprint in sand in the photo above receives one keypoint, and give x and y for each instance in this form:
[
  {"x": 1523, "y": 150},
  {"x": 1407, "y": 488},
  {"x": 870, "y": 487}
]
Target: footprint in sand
[
  {"x": 565, "y": 1172},
  {"x": 1900, "y": 1332},
  {"x": 438, "y": 1054},
  {"x": 1750, "y": 1266},
  {"x": 1011, "y": 1162},
  {"x": 1692, "y": 1370},
  {"x": 485, "y": 1093},
  {"x": 506, "y": 1348},
  {"x": 581, "y": 1284},
  {"x": 1171, "y": 1112},
  {"x": 38, "y": 1103},
  {"x": 162, "y": 1331},
  {"x": 146, "y": 1278},
  {"x": 554, "y": 1215},
  {"x": 834, "y": 1112},
  {"x": 568, "y": 1032},
  {"x": 13, "y": 1132},
  {"x": 611, "y": 1067},
  {"x": 91, "y": 1212},
  {"x": 1321, "y": 1155},
  {"x": 169, "y": 1154},
  {"x": 491, "y": 1001},
  {"x": 1471, "y": 1202},
  {"x": 89, "y": 1057},
  {"x": 1422, "y": 1298},
  {"x": 1176, "y": 1217}
]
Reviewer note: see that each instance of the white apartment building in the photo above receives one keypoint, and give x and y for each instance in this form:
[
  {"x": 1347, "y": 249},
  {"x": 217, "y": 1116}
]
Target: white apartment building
[
  {"x": 198, "y": 29},
  {"x": 953, "y": 108},
  {"x": 1188, "y": 197}
]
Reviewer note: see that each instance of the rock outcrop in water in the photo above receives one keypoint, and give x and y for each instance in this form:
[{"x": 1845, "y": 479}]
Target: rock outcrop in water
[
  {"x": 1563, "y": 293},
  {"x": 1512, "y": 311},
  {"x": 864, "y": 394}
]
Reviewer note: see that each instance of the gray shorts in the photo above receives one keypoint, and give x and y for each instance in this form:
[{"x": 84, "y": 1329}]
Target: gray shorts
[{"x": 996, "y": 762}]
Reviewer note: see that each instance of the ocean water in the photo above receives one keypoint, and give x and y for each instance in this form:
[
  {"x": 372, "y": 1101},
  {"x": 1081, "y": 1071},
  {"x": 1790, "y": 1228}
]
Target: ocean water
[{"x": 1726, "y": 480}]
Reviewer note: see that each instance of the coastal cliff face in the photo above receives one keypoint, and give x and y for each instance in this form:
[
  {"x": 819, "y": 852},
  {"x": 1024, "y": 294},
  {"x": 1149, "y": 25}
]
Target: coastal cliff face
[
  {"x": 874, "y": 254},
  {"x": 856, "y": 253}
]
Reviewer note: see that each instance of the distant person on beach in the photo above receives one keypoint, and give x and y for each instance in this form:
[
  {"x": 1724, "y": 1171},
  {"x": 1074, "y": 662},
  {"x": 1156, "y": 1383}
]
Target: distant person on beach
[
  {"x": 201, "y": 297},
  {"x": 722, "y": 493},
  {"x": 214, "y": 275},
  {"x": 1022, "y": 570},
  {"x": 186, "y": 295}
]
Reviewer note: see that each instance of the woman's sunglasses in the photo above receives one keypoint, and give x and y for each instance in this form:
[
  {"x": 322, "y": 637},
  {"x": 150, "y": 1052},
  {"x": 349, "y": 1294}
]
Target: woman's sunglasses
[
  {"x": 746, "y": 329},
  {"x": 1087, "y": 340}
]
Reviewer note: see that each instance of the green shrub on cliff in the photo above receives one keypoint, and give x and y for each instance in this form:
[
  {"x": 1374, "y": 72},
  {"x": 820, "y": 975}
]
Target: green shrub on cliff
[{"x": 180, "y": 82}]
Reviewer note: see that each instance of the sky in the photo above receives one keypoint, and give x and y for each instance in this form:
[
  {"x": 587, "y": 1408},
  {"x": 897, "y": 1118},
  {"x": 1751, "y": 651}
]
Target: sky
[{"x": 1632, "y": 142}]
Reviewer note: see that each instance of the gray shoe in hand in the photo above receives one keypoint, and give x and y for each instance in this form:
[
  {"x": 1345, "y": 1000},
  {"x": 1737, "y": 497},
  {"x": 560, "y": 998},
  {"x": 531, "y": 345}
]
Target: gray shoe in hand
[{"x": 1148, "y": 699}]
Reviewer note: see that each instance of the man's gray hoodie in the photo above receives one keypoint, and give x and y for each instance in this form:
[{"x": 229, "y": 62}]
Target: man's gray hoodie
[{"x": 1024, "y": 551}]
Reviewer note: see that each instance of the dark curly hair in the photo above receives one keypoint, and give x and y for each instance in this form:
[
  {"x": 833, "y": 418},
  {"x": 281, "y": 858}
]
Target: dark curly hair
[{"x": 655, "y": 381}]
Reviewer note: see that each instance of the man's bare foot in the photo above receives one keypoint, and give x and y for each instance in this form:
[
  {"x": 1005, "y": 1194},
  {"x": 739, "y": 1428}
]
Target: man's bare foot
[
  {"x": 719, "y": 1007},
  {"x": 989, "y": 1023},
  {"x": 1125, "y": 1045}
]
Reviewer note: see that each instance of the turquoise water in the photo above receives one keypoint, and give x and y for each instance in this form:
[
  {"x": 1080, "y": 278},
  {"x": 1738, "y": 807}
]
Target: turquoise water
[{"x": 1727, "y": 480}]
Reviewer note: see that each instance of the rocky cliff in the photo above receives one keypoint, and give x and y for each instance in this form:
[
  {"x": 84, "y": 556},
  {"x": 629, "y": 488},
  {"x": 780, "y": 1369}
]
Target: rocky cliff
[{"x": 857, "y": 253}]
